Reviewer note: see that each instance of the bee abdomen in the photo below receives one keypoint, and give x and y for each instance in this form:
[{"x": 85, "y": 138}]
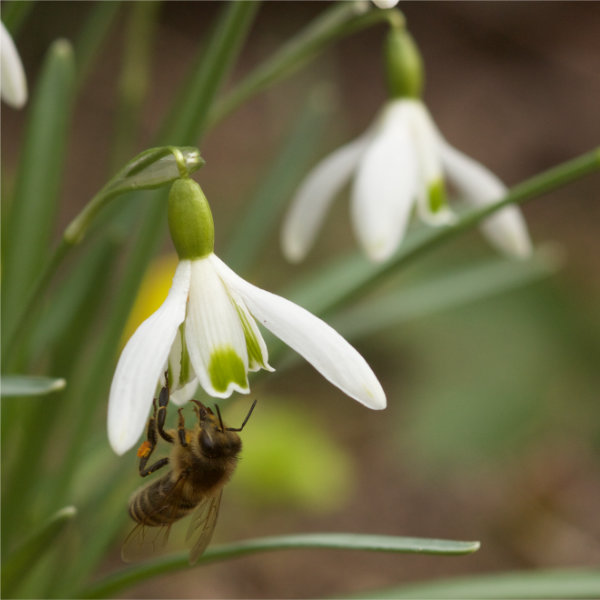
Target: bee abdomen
[{"x": 157, "y": 504}]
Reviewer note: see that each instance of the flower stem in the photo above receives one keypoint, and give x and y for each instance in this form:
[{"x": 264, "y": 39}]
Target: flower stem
[{"x": 337, "y": 22}]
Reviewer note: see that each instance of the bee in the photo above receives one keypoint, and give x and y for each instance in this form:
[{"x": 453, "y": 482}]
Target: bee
[{"x": 202, "y": 460}]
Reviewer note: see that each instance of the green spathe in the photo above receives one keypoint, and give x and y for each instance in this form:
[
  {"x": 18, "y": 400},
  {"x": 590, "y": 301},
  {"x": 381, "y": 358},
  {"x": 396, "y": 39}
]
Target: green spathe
[
  {"x": 190, "y": 220},
  {"x": 225, "y": 367},
  {"x": 404, "y": 65}
]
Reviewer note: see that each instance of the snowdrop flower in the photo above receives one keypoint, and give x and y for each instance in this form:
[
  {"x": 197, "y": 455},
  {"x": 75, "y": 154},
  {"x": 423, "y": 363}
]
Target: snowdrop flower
[
  {"x": 13, "y": 85},
  {"x": 400, "y": 163},
  {"x": 385, "y": 3},
  {"x": 206, "y": 332}
]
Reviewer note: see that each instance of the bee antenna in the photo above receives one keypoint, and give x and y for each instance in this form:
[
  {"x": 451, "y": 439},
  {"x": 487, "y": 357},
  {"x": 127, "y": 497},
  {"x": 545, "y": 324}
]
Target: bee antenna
[
  {"x": 245, "y": 420},
  {"x": 220, "y": 419}
]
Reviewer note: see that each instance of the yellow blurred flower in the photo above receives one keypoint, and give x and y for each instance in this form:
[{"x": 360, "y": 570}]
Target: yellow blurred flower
[{"x": 153, "y": 291}]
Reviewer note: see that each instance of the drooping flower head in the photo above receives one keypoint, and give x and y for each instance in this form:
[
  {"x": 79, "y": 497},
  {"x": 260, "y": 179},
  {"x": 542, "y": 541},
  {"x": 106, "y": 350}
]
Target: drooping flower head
[
  {"x": 206, "y": 333},
  {"x": 398, "y": 165}
]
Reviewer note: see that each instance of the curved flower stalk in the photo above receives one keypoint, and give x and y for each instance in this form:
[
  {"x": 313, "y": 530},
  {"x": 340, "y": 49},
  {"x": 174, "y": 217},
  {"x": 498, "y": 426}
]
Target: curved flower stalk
[
  {"x": 13, "y": 85},
  {"x": 399, "y": 164},
  {"x": 206, "y": 332}
]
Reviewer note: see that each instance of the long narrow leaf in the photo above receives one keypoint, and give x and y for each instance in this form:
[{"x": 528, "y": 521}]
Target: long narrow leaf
[
  {"x": 331, "y": 541},
  {"x": 263, "y": 211},
  {"x": 524, "y": 585},
  {"x": 31, "y": 217},
  {"x": 14, "y": 386},
  {"x": 22, "y": 559},
  {"x": 91, "y": 36}
]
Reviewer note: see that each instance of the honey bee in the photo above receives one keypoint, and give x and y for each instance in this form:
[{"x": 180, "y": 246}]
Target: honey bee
[{"x": 202, "y": 460}]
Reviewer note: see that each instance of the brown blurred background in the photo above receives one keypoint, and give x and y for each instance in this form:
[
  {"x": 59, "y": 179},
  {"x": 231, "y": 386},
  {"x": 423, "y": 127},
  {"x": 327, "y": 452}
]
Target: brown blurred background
[{"x": 492, "y": 429}]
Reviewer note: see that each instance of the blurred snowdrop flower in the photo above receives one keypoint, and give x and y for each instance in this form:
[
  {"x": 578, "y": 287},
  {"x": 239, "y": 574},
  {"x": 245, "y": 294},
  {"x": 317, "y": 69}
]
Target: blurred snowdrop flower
[
  {"x": 399, "y": 164},
  {"x": 206, "y": 332},
  {"x": 385, "y": 3},
  {"x": 13, "y": 85}
]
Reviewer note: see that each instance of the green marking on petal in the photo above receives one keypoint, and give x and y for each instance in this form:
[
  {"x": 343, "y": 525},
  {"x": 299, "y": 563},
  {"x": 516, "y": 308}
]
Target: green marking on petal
[
  {"x": 436, "y": 194},
  {"x": 226, "y": 367},
  {"x": 255, "y": 356},
  {"x": 185, "y": 375}
]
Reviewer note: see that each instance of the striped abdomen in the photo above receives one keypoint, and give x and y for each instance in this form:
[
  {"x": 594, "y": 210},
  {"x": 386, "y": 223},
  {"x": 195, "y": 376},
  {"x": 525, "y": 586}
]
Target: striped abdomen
[{"x": 159, "y": 503}]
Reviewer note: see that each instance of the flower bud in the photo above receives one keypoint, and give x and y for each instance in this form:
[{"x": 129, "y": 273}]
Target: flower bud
[{"x": 190, "y": 220}]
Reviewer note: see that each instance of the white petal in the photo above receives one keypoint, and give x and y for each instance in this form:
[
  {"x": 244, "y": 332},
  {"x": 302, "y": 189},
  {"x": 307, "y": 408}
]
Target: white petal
[
  {"x": 506, "y": 229},
  {"x": 13, "y": 85},
  {"x": 261, "y": 358},
  {"x": 140, "y": 365},
  {"x": 430, "y": 168},
  {"x": 385, "y": 3},
  {"x": 311, "y": 337},
  {"x": 318, "y": 190},
  {"x": 186, "y": 393},
  {"x": 181, "y": 390},
  {"x": 212, "y": 327},
  {"x": 386, "y": 185}
]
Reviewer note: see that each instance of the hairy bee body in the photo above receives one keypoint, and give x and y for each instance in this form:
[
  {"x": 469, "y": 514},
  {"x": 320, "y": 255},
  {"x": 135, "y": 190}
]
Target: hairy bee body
[
  {"x": 194, "y": 476},
  {"x": 202, "y": 460}
]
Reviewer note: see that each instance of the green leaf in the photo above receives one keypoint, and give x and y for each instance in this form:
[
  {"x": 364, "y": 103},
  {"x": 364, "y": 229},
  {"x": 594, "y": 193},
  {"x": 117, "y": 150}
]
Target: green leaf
[
  {"x": 14, "y": 15},
  {"x": 18, "y": 563},
  {"x": 92, "y": 34},
  {"x": 30, "y": 220},
  {"x": 263, "y": 211},
  {"x": 543, "y": 584},
  {"x": 332, "y": 541},
  {"x": 453, "y": 288},
  {"x": 13, "y": 386}
]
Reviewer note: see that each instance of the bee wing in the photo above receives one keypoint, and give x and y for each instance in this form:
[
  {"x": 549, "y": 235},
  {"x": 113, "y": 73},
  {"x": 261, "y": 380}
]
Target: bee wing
[
  {"x": 202, "y": 525},
  {"x": 143, "y": 540}
]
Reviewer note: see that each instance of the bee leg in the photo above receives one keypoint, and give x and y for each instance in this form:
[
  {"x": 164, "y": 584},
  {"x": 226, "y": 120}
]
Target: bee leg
[
  {"x": 163, "y": 400},
  {"x": 153, "y": 467},
  {"x": 181, "y": 428}
]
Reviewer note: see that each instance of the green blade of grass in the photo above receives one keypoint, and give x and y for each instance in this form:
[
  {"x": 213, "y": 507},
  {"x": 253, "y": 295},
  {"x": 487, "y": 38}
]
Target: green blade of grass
[
  {"x": 30, "y": 219},
  {"x": 331, "y": 541},
  {"x": 23, "y": 558},
  {"x": 15, "y": 386},
  {"x": 263, "y": 211},
  {"x": 545, "y": 584},
  {"x": 91, "y": 36}
]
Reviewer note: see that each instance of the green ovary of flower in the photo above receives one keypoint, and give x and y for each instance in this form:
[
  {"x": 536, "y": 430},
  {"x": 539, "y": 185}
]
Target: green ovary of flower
[
  {"x": 190, "y": 220},
  {"x": 225, "y": 367}
]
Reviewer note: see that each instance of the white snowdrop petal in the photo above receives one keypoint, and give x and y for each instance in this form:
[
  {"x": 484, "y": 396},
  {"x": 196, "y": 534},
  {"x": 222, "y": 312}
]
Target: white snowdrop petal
[
  {"x": 475, "y": 183},
  {"x": 385, "y": 186},
  {"x": 431, "y": 188},
  {"x": 385, "y": 3},
  {"x": 13, "y": 85},
  {"x": 185, "y": 393},
  {"x": 258, "y": 354},
  {"x": 140, "y": 365},
  {"x": 315, "y": 195},
  {"x": 214, "y": 335},
  {"x": 313, "y": 339}
]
